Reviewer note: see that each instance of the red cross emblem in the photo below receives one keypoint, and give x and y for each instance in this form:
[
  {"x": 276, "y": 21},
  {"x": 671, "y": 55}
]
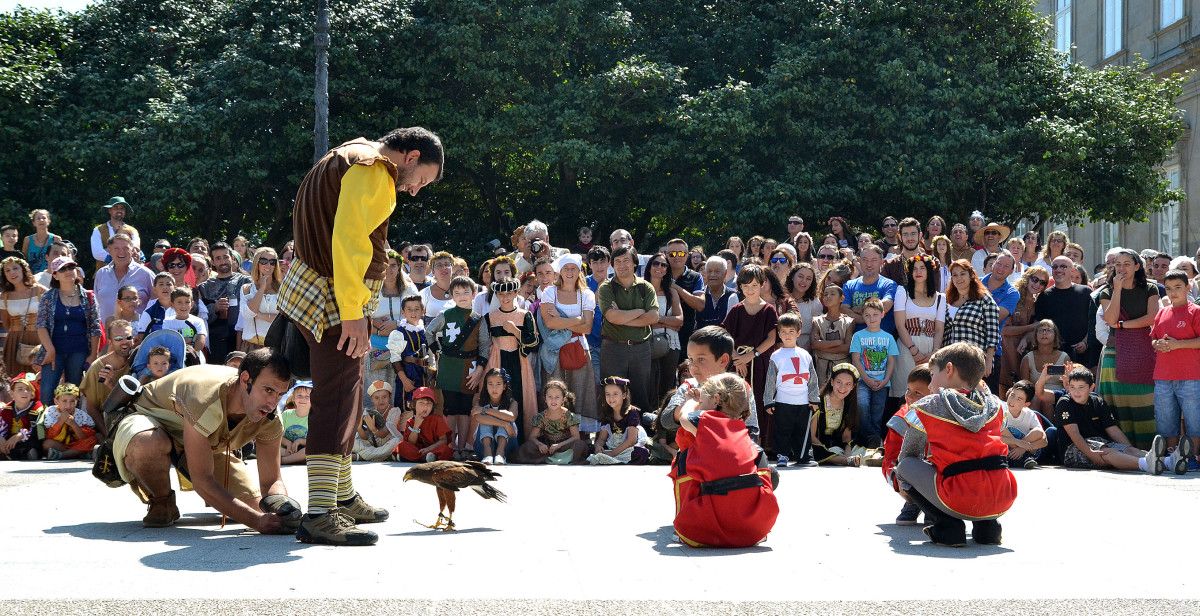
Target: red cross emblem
[{"x": 797, "y": 377}]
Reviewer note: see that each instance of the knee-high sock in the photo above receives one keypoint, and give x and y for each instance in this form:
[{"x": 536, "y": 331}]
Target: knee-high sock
[
  {"x": 345, "y": 487},
  {"x": 323, "y": 472}
]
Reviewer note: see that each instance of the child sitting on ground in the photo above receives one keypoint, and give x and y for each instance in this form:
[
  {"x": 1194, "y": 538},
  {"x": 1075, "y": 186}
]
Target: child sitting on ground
[
  {"x": 378, "y": 433},
  {"x": 18, "y": 421},
  {"x": 1093, "y": 439},
  {"x": 836, "y": 420},
  {"x": 425, "y": 437},
  {"x": 893, "y": 437},
  {"x": 295, "y": 424},
  {"x": 554, "y": 437},
  {"x": 956, "y": 465},
  {"x": 724, "y": 486},
  {"x": 70, "y": 431},
  {"x": 621, "y": 439},
  {"x": 1023, "y": 431},
  {"x": 493, "y": 415}
]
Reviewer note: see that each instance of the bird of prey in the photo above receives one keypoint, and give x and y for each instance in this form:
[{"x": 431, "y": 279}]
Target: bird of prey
[{"x": 448, "y": 476}]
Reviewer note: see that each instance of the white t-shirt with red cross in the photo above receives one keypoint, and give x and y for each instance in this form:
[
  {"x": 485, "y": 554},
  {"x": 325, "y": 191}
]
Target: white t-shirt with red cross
[{"x": 792, "y": 378}]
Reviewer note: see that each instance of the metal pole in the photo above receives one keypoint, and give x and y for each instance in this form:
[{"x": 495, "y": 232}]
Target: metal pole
[{"x": 321, "y": 88}]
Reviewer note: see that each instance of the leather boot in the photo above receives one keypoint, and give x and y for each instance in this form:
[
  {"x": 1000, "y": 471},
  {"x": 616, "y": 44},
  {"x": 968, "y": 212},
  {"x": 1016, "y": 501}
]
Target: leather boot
[{"x": 162, "y": 511}]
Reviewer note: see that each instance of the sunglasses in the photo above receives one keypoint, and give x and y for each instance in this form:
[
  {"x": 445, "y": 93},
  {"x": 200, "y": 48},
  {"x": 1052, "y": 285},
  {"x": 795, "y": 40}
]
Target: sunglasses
[
  {"x": 826, "y": 257},
  {"x": 677, "y": 253},
  {"x": 162, "y": 246},
  {"x": 177, "y": 265},
  {"x": 417, "y": 258},
  {"x": 889, "y": 225},
  {"x": 778, "y": 260},
  {"x": 991, "y": 233},
  {"x": 658, "y": 264},
  {"x": 121, "y": 338},
  {"x": 1037, "y": 281},
  {"x": 795, "y": 222},
  {"x": 265, "y": 261}
]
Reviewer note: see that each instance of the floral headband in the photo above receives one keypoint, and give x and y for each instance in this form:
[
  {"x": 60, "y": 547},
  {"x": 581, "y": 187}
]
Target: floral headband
[
  {"x": 616, "y": 380},
  {"x": 506, "y": 286}
]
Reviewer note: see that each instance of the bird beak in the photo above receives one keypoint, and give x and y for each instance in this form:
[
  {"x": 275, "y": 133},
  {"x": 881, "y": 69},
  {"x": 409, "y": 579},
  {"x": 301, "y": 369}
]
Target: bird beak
[{"x": 407, "y": 476}]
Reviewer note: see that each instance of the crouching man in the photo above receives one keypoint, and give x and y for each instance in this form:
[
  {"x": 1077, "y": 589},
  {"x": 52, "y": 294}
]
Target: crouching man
[{"x": 198, "y": 419}]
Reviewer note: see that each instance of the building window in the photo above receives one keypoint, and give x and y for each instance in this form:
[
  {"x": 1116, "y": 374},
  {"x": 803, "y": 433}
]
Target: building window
[
  {"x": 1062, "y": 26},
  {"x": 1114, "y": 26},
  {"x": 1170, "y": 12},
  {"x": 1110, "y": 235},
  {"x": 1168, "y": 218}
]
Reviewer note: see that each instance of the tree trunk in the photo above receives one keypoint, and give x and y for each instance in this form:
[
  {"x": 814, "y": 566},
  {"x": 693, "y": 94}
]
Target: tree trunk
[{"x": 321, "y": 89}]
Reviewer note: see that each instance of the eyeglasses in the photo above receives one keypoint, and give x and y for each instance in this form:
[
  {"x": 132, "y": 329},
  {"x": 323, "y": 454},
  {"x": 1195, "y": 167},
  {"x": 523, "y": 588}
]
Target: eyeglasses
[
  {"x": 417, "y": 258},
  {"x": 266, "y": 261},
  {"x": 996, "y": 233},
  {"x": 1060, "y": 267},
  {"x": 177, "y": 265},
  {"x": 1038, "y": 281},
  {"x": 162, "y": 246},
  {"x": 657, "y": 264},
  {"x": 128, "y": 299},
  {"x": 121, "y": 338},
  {"x": 677, "y": 253},
  {"x": 826, "y": 257},
  {"x": 889, "y": 225},
  {"x": 778, "y": 260}
]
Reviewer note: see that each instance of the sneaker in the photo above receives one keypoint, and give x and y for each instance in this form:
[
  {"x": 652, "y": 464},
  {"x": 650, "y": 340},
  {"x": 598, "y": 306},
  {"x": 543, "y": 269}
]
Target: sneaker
[
  {"x": 805, "y": 464},
  {"x": 854, "y": 461},
  {"x": 333, "y": 528},
  {"x": 1193, "y": 465},
  {"x": 487, "y": 460},
  {"x": 499, "y": 460},
  {"x": 1183, "y": 453},
  {"x": 1154, "y": 457},
  {"x": 1030, "y": 464},
  {"x": 781, "y": 461},
  {"x": 908, "y": 514},
  {"x": 362, "y": 513},
  {"x": 53, "y": 454}
]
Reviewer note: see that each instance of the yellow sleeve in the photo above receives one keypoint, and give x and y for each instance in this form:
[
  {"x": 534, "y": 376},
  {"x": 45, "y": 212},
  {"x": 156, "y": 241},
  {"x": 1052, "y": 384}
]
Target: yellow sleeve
[{"x": 367, "y": 199}]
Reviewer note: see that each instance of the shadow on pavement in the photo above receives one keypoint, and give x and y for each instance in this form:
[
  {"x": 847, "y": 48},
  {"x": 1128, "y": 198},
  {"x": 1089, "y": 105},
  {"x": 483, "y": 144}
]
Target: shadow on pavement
[
  {"x": 457, "y": 531},
  {"x": 200, "y": 549},
  {"x": 51, "y": 471},
  {"x": 901, "y": 539},
  {"x": 667, "y": 544}
]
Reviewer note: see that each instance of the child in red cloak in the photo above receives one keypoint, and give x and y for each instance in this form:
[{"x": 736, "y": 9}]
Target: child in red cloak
[
  {"x": 897, "y": 425},
  {"x": 724, "y": 487}
]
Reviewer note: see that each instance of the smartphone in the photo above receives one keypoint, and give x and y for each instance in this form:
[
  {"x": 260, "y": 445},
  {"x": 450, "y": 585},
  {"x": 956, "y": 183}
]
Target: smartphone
[{"x": 1055, "y": 370}]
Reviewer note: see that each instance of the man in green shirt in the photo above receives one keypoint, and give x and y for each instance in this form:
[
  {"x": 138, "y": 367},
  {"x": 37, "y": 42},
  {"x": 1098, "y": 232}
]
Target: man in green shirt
[{"x": 629, "y": 305}]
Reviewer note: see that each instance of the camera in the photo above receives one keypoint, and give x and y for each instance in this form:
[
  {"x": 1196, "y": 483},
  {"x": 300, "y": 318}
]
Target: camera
[{"x": 536, "y": 247}]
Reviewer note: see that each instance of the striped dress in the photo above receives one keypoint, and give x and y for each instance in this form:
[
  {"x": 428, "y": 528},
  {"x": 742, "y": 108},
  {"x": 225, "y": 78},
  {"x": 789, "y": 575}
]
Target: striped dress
[{"x": 1132, "y": 403}]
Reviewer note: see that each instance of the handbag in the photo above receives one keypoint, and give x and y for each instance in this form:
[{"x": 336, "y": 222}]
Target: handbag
[
  {"x": 660, "y": 345},
  {"x": 27, "y": 353},
  {"x": 572, "y": 355},
  {"x": 285, "y": 338}
]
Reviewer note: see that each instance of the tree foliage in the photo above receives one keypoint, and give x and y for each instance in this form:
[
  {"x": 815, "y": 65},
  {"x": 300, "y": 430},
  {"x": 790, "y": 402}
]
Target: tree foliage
[{"x": 666, "y": 117}]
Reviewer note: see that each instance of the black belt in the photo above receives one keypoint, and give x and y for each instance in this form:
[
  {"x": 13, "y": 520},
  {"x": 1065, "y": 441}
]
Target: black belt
[
  {"x": 625, "y": 342},
  {"x": 990, "y": 463},
  {"x": 729, "y": 484}
]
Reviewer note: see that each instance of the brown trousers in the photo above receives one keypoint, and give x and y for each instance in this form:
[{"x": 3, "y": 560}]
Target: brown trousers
[{"x": 336, "y": 395}]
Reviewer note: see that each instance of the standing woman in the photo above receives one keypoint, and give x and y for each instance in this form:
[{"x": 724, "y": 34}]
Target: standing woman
[
  {"x": 68, "y": 326},
  {"x": 802, "y": 287},
  {"x": 178, "y": 263},
  {"x": 920, "y": 313},
  {"x": 752, "y": 324},
  {"x": 773, "y": 291},
  {"x": 736, "y": 246},
  {"x": 1020, "y": 323},
  {"x": 940, "y": 248},
  {"x": 1129, "y": 303},
  {"x": 696, "y": 259},
  {"x": 768, "y": 246},
  {"x": 664, "y": 335},
  {"x": 506, "y": 338},
  {"x": 841, "y": 231},
  {"x": 242, "y": 255},
  {"x": 935, "y": 227},
  {"x": 286, "y": 254},
  {"x": 972, "y": 315},
  {"x": 260, "y": 297},
  {"x": 570, "y": 305},
  {"x": 1056, "y": 243},
  {"x": 36, "y": 246},
  {"x": 19, "y": 300},
  {"x": 804, "y": 247},
  {"x": 780, "y": 263},
  {"x": 754, "y": 247}
]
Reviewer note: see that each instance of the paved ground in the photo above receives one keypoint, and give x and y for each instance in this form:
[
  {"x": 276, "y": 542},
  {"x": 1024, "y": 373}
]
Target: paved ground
[{"x": 585, "y": 539}]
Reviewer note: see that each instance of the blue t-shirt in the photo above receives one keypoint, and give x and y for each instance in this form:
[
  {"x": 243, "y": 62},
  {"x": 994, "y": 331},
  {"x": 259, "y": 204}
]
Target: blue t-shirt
[
  {"x": 70, "y": 330},
  {"x": 594, "y": 339},
  {"x": 858, "y": 292},
  {"x": 875, "y": 350},
  {"x": 1006, "y": 297}
]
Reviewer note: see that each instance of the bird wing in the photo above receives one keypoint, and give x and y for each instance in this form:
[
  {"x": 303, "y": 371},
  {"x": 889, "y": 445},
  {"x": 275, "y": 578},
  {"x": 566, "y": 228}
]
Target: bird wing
[{"x": 459, "y": 476}]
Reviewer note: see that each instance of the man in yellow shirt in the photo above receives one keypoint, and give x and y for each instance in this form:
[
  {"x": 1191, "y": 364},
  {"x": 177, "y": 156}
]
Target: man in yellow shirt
[{"x": 340, "y": 226}]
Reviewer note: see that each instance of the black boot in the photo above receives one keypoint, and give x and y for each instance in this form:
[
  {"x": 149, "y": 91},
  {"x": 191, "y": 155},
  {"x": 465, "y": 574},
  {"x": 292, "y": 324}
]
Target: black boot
[
  {"x": 941, "y": 529},
  {"x": 986, "y": 532}
]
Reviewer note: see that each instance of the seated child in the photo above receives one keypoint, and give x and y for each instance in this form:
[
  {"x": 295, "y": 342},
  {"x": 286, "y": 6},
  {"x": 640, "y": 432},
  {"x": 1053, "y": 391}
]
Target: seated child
[
  {"x": 965, "y": 476},
  {"x": 897, "y": 426},
  {"x": 494, "y": 414},
  {"x": 193, "y": 328},
  {"x": 378, "y": 434},
  {"x": 554, "y": 437},
  {"x": 18, "y": 421},
  {"x": 1092, "y": 438},
  {"x": 1023, "y": 431},
  {"x": 158, "y": 362},
  {"x": 70, "y": 431},
  {"x": 425, "y": 437},
  {"x": 836, "y": 420},
  {"x": 295, "y": 423},
  {"x": 724, "y": 486},
  {"x": 621, "y": 439},
  {"x": 791, "y": 393},
  {"x": 157, "y": 311}
]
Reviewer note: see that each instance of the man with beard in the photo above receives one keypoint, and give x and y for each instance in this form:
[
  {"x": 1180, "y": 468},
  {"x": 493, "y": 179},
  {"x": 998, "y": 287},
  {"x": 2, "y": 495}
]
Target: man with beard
[
  {"x": 889, "y": 228},
  {"x": 220, "y": 297},
  {"x": 197, "y": 419},
  {"x": 910, "y": 246},
  {"x": 340, "y": 224},
  {"x": 117, "y": 208},
  {"x": 102, "y": 375}
]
